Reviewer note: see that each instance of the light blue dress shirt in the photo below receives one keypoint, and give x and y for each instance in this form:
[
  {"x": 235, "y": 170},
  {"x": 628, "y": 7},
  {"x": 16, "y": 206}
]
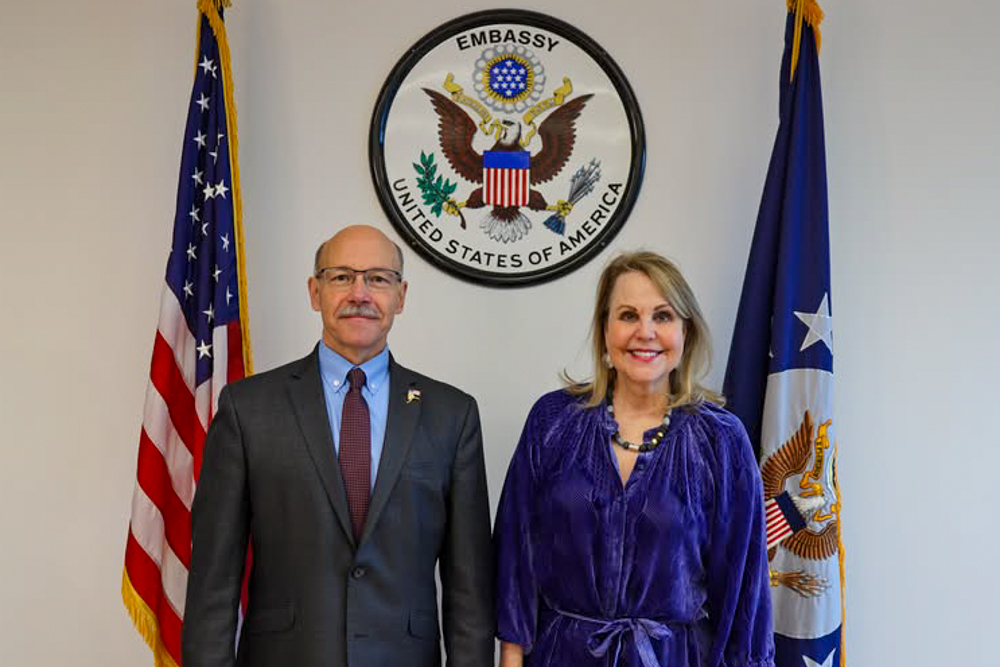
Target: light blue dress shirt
[{"x": 333, "y": 368}]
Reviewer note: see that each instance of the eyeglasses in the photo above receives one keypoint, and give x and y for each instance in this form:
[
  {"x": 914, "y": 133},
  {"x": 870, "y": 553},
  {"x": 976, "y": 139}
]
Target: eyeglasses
[{"x": 342, "y": 277}]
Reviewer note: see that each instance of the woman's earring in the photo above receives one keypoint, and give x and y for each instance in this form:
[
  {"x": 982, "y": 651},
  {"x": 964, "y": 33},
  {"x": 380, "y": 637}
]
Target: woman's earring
[{"x": 607, "y": 360}]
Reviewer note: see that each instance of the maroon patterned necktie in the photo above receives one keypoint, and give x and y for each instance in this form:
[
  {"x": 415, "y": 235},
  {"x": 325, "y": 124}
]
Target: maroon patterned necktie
[{"x": 355, "y": 450}]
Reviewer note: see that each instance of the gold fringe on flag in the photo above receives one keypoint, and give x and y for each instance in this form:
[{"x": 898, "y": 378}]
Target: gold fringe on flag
[
  {"x": 807, "y": 11},
  {"x": 145, "y": 623},
  {"x": 840, "y": 557},
  {"x": 210, "y": 8}
]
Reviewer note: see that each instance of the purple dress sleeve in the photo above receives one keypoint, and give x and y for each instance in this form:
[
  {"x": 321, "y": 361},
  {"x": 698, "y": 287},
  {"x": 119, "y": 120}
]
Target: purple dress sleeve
[
  {"x": 517, "y": 601},
  {"x": 738, "y": 582}
]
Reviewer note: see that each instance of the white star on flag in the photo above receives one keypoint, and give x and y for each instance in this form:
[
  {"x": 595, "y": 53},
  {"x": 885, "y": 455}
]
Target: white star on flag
[
  {"x": 208, "y": 192},
  {"x": 200, "y": 139},
  {"x": 204, "y": 350},
  {"x": 215, "y": 155},
  {"x": 197, "y": 176},
  {"x": 820, "y": 325},
  {"x": 221, "y": 190},
  {"x": 188, "y": 289},
  {"x": 216, "y": 273},
  {"x": 195, "y": 215},
  {"x": 809, "y": 662},
  {"x": 190, "y": 252},
  {"x": 207, "y": 65},
  {"x": 203, "y": 102},
  {"x": 229, "y": 295},
  {"x": 225, "y": 242},
  {"x": 210, "y": 313},
  {"x": 204, "y": 228}
]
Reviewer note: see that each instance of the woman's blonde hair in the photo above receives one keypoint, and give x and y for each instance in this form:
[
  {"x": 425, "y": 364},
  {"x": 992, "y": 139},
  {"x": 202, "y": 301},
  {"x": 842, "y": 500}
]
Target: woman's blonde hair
[{"x": 684, "y": 385}]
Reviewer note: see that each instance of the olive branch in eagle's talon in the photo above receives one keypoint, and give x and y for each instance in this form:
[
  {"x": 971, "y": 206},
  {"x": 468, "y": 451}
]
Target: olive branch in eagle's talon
[{"x": 436, "y": 191}]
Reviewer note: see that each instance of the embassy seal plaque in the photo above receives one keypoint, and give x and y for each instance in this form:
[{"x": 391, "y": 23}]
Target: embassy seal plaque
[{"x": 507, "y": 147}]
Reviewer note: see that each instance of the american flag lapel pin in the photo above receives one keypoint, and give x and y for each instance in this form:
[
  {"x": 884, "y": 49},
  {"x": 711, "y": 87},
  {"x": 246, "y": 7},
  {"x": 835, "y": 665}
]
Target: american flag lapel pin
[{"x": 412, "y": 395}]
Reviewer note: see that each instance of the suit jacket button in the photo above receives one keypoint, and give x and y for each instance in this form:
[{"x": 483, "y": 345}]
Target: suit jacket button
[{"x": 358, "y": 572}]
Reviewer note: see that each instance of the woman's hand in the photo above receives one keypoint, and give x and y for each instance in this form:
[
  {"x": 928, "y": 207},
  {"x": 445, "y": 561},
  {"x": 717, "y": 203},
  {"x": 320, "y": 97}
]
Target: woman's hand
[{"x": 511, "y": 655}]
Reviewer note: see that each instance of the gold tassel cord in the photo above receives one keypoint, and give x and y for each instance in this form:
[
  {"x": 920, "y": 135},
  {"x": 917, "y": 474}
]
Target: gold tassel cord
[
  {"x": 210, "y": 9},
  {"x": 145, "y": 623},
  {"x": 810, "y": 13}
]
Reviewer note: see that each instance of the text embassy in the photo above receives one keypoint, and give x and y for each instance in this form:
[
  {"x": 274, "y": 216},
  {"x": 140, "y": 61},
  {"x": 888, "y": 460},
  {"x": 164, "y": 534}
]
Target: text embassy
[{"x": 496, "y": 36}]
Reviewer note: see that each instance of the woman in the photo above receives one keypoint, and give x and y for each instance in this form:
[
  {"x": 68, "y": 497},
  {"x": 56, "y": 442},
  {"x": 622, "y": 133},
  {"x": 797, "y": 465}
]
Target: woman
[{"x": 630, "y": 530}]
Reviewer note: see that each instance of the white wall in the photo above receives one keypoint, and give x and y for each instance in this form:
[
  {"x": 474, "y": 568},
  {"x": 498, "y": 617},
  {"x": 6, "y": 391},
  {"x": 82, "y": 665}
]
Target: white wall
[{"x": 92, "y": 104}]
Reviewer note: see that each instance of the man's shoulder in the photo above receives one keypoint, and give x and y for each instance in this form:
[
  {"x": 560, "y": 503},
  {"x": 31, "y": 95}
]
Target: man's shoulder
[{"x": 271, "y": 380}]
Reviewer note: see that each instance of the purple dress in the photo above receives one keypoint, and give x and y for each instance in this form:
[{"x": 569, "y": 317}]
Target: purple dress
[{"x": 668, "y": 571}]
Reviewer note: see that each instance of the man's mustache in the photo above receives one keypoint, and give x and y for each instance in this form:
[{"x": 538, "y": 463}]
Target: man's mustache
[{"x": 359, "y": 310}]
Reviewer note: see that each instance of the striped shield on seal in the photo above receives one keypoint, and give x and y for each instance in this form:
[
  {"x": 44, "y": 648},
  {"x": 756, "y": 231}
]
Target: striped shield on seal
[{"x": 506, "y": 177}]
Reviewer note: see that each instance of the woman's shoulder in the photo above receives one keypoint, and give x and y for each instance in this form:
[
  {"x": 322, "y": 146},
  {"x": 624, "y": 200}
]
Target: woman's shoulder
[
  {"x": 714, "y": 418},
  {"x": 554, "y": 409},
  {"x": 715, "y": 430},
  {"x": 557, "y": 401},
  {"x": 560, "y": 419}
]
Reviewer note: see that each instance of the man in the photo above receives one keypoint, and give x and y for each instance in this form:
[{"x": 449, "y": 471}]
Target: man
[{"x": 353, "y": 477}]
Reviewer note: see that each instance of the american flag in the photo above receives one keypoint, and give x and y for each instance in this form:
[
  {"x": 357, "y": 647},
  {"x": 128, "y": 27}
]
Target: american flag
[
  {"x": 506, "y": 177},
  {"x": 782, "y": 518},
  {"x": 779, "y": 379},
  {"x": 201, "y": 345}
]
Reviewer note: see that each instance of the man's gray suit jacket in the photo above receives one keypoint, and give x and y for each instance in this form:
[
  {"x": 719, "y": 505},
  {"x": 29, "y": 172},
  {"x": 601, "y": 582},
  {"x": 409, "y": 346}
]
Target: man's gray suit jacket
[{"x": 316, "y": 597}]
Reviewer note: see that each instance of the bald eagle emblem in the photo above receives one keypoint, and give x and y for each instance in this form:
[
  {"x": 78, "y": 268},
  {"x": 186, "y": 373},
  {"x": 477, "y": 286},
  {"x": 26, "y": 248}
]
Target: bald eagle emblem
[
  {"x": 807, "y": 523},
  {"x": 505, "y": 178}
]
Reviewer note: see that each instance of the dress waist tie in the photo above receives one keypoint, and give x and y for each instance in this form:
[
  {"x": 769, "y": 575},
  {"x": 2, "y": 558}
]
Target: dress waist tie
[{"x": 613, "y": 631}]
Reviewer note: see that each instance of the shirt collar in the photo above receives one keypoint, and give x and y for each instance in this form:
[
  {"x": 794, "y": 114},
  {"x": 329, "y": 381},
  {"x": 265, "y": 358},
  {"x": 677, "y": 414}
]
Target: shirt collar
[{"x": 334, "y": 369}]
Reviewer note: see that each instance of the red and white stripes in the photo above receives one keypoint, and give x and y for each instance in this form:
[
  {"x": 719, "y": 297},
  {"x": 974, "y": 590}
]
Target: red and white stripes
[
  {"x": 778, "y": 527},
  {"x": 506, "y": 187},
  {"x": 171, "y": 443}
]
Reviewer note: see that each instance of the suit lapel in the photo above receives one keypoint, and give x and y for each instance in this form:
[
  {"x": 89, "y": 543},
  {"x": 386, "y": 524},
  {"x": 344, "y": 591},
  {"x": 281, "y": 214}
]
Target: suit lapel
[
  {"x": 306, "y": 387},
  {"x": 400, "y": 424}
]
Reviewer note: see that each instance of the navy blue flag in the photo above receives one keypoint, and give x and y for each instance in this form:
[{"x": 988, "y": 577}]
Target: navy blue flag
[{"x": 779, "y": 379}]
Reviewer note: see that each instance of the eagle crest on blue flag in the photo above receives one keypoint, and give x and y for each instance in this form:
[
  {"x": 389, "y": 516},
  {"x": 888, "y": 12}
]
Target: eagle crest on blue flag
[{"x": 779, "y": 379}]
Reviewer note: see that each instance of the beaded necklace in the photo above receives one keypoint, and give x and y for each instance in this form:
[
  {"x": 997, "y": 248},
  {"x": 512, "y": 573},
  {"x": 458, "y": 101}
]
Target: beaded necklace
[{"x": 653, "y": 442}]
